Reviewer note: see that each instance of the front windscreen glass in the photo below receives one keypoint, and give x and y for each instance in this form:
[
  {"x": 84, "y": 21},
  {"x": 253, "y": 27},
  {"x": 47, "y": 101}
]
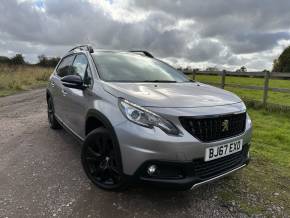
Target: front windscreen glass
[{"x": 131, "y": 67}]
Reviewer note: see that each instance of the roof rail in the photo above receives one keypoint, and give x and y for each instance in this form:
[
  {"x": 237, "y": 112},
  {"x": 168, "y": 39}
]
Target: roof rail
[
  {"x": 146, "y": 53},
  {"x": 83, "y": 48}
]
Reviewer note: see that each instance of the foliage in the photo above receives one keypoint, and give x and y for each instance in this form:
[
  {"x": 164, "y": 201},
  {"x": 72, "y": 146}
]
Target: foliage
[
  {"x": 282, "y": 64},
  {"x": 18, "y": 59},
  {"x": 47, "y": 62},
  {"x": 242, "y": 69}
]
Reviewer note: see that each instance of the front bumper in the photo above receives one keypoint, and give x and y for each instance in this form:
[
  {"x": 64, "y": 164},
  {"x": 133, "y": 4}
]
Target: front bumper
[{"x": 185, "y": 175}]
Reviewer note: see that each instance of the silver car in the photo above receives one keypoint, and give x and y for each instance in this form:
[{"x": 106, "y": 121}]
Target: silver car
[{"x": 141, "y": 120}]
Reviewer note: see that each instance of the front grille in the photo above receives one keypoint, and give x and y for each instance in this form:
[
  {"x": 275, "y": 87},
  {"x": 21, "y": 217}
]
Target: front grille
[
  {"x": 215, "y": 128},
  {"x": 206, "y": 170}
]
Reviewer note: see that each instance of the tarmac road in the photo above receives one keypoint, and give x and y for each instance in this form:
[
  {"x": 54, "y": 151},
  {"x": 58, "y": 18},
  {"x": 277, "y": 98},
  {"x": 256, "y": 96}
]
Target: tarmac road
[{"x": 41, "y": 175}]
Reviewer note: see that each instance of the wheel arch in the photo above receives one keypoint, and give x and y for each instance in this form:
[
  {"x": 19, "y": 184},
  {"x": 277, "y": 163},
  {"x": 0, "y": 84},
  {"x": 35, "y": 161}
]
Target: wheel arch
[
  {"x": 95, "y": 114},
  {"x": 100, "y": 118},
  {"x": 48, "y": 94}
]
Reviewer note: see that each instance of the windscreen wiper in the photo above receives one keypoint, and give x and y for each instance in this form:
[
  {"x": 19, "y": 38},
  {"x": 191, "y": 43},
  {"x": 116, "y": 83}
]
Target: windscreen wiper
[{"x": 159, "y": 81}]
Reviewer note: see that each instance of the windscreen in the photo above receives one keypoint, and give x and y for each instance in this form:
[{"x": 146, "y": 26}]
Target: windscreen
[{"x": 130, "y": 67}]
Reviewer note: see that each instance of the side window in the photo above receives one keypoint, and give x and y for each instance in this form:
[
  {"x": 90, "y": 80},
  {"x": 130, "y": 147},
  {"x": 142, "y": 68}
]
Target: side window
[
  {"x": 80, "y": 66},
  {"x": 64, "y": 67}
]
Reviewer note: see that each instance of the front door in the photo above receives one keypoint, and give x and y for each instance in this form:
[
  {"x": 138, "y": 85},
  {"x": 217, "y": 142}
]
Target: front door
[{"x": 77, "y": 100}]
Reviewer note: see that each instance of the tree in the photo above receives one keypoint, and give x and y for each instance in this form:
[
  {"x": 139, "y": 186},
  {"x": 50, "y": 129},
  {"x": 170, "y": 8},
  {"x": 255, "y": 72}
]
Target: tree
[
  {"x": 242, "y": 69},
  {"x": 54, "y": 61},
  {"x": 18, "y": 59},
  {"x": 47, "y": 62},
  {"x": 42, "y": 60},
  {"x": 282, "y": 64}
]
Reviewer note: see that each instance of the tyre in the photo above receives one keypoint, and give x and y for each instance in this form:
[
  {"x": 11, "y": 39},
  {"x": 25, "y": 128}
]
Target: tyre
[
  {"x": 101, "y": 160},
  {"x": 53, "y": 123}
]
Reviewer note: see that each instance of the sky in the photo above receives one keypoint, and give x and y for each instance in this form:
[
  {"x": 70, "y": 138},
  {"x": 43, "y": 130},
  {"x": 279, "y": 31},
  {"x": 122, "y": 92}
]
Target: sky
[{"x": 226, "y": 34}]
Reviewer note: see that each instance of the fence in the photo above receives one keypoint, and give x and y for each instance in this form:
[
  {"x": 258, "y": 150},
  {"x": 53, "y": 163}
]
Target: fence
[{"x": 266, "y": 75}]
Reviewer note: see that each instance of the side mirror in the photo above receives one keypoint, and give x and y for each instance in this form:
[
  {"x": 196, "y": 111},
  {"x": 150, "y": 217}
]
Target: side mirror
[{"x": 73, "y": 81}]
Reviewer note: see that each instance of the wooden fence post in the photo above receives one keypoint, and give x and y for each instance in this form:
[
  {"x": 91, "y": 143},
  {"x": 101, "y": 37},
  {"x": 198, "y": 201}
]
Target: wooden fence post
[
  {"x": 193, "y": 74},
  {"x": 266, "y": 87},
  {"x": 223, "y": 79}
]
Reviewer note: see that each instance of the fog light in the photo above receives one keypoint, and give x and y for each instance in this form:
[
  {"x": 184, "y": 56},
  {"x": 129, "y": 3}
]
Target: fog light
[{"x": 151, "y": 170}]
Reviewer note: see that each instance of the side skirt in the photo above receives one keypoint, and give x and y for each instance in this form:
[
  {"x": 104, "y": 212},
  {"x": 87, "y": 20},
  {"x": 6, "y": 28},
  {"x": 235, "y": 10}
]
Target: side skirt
[{"x": 69, "y": 130}]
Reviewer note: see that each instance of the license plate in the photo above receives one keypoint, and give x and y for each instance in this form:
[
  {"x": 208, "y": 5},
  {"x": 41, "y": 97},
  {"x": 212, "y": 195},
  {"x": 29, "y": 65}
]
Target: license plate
[{"x": 219, "y": 151}]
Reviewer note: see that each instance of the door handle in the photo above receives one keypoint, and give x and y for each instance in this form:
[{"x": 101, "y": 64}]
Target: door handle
[{"x": 64, "y": 93}]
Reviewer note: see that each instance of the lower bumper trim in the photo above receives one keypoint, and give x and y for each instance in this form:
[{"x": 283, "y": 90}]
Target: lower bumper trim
[{"x": 217, "y": 177}]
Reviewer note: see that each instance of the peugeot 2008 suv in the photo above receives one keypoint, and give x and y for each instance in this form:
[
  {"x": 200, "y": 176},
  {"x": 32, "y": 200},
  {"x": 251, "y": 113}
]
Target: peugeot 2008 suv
[{"x": 140, "y": 119}]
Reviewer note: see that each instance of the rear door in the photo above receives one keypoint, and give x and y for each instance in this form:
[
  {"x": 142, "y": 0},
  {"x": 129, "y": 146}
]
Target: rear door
[{"x": 64, "y": 68}]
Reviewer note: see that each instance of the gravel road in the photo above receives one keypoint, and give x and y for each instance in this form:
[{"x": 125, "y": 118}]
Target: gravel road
[{"x": 41, "y": 175}]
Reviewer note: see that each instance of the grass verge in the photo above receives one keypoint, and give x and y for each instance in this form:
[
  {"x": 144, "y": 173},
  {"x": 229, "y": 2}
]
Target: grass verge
[
  {"x": 263, "y": 188},
  {"x": 19, "y": 78}
]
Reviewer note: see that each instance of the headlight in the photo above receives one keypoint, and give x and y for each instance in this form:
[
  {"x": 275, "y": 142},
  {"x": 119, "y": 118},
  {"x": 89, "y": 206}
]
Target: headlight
[{"x": 146, "y": 118}]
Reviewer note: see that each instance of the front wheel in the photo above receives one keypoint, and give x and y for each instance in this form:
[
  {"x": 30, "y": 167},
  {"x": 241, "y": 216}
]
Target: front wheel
[{"x": 101, "y": 160}]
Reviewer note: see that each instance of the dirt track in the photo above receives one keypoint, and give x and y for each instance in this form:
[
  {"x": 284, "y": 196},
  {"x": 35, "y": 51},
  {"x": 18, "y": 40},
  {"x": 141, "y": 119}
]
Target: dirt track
[{"x": 41, "y": 175}]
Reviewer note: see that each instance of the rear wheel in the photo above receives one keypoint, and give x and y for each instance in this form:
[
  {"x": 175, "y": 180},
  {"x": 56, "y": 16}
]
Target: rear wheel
[
  {"x": 53, "y": 123},
  {"x": 101, "y": 160}
]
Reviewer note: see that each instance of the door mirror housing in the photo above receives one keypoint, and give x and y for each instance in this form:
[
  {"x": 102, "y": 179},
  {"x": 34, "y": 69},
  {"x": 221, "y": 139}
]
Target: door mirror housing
[{"x": 73, "y": 81}]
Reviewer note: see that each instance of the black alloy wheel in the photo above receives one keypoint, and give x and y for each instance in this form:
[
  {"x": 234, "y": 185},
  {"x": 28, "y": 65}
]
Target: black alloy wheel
[{"x": 101, "y": 160}]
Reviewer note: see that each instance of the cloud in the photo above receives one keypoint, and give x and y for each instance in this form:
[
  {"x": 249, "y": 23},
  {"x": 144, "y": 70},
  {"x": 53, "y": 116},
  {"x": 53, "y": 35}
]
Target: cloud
[{"x": 198, "y": 33}]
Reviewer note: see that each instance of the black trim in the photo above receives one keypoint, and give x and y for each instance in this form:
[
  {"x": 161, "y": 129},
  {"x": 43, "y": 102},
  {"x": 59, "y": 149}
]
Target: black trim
[
  {"x": 77, "y": 137},
  {"x": 146, "y": 53},
  {"x": 209, "y": 129},
  {"x": 96, "y": 67}
]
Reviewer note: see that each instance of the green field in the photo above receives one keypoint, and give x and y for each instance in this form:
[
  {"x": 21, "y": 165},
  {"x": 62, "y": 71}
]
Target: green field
[
  {"x": 274, "y": 97},
  {"x": 264, "y": 186},
  {"x": 19, "y": 78}
]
